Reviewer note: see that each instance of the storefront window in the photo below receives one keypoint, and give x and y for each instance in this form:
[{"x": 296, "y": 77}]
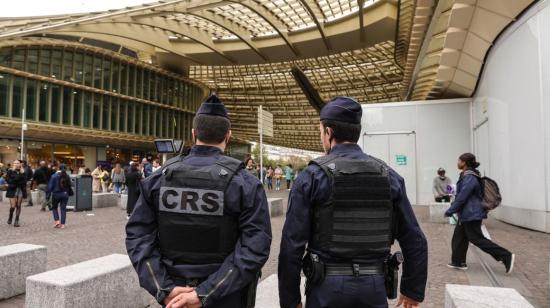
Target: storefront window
[
  {"x": 38, "y": 151},
  {"x": 88, "y": 70},
  {"x": 19, "y": 59},
  {"x": 77, "y": 107},
  {"x": 45, "y": 61},
  {"x": 30, "y": 109},
  {"x": 17, "y": 99},
  {"x": 68, "y": 56},
  {"x": 4, "y": 86},
  {"x": 106, "y": 111},
  {"x": 97, "y": 110},
  {"x": 43, "y": 102},
  {"x": 122, "y": 116},
  {"x": 87, "y": 112},
  {"x": 56, "y": 104},
  {"x": 67, "y": 103},
  {"x": 98, "y": 76},
  {"x": 114, "y": 113},
  {"x": 32, "y": 61},
  {"x": 56, "y": 63},
  {"x": 66, "y": 154}
]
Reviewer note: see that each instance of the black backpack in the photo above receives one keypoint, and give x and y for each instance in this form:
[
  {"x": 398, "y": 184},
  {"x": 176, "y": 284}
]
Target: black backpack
[{"x": 490, "y": 193}]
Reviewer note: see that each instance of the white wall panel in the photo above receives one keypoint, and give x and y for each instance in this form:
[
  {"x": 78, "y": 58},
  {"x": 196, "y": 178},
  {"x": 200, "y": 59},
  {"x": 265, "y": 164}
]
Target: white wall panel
[
  {"x": 442, "y": 133},
  {"x": 514, "y": 94}
]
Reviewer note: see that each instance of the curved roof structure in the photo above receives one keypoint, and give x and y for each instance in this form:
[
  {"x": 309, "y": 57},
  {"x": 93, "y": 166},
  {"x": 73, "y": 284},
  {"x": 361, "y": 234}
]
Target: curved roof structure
[{"x": 372, "y": 50}]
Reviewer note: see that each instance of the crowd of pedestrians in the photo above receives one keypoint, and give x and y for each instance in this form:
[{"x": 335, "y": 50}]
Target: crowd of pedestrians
[
  {"x": 272, "y": 176},
  {"x": 52, "y": 185}
]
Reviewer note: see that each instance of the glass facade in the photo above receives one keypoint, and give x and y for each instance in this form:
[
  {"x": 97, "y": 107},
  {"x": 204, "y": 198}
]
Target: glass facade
[{"x": 70, "y": 105}]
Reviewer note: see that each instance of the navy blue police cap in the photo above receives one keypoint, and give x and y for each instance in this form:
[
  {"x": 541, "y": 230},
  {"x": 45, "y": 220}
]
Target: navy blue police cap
[
  {"x": 343, "y": 109},
  {"x": 213, "y": 106}
]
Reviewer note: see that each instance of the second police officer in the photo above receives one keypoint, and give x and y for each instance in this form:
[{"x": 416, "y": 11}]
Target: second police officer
[
  {"x": 200, "y": 231},
  {"x": 346, "y": 209}
]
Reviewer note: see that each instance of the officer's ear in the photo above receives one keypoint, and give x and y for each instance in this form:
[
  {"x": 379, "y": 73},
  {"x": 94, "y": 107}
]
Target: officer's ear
[
  {"x": 193, "y": 135},
  {"x": 228, "y": 137}
]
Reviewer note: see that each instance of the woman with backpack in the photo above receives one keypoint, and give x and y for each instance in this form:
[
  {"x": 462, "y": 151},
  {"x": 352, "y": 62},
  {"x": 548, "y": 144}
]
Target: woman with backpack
[
  {"x": 59, "y": 188},
  {"x": 471, "y": 212}
]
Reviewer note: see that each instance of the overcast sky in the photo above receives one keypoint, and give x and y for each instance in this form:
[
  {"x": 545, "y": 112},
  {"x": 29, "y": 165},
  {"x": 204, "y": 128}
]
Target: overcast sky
[{"x": 19, "y": 8}]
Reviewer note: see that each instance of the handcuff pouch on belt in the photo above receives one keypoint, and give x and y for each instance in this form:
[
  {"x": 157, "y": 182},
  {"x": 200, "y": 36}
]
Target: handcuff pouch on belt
[{"x": 313, "y": 268}]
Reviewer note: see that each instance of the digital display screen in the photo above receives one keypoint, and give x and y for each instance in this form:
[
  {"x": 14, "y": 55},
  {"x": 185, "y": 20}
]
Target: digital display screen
[{"x": 164, "y": 146}]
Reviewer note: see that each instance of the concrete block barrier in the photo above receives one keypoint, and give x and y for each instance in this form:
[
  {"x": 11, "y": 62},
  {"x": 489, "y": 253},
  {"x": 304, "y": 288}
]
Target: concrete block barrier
[
  {"x": 100, "y": 200},
  {"x": 461, "y": 296},
  {"x": 123, "y": 201},
  {"x": 109, "y": 281},
  {"x": 17, "y": 262},
  {"x": 437, "y": 212},
  {"x": 275, "y": 206}
]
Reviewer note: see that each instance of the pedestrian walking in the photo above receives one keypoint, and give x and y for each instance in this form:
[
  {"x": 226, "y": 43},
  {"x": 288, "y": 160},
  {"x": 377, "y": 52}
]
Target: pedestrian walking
[
  {"x": 96, "y": 178},
  {"x": 104, "y": 179},
  {"x": 278, "y": 174},
  {"x": 269, "y": 177},
  {"x": 289, "y": 175},
  {"x": 17, "y": 190},
  {"x": 133, "y": 179},
  {"x": 468, "y": 206},
  {"x": 41, "y": 179},
  {"x": 59, "y": 189},
  {"x": 118, "y": 178},
  {"x": 156, "y": 164},
  {"x": 29, "y": 174}
]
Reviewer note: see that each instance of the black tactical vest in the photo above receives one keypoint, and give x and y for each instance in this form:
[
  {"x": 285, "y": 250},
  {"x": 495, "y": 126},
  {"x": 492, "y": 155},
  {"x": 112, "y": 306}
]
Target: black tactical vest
[
  {"x": 193, "y": 228},
  {"x": 355, "y": 224}
]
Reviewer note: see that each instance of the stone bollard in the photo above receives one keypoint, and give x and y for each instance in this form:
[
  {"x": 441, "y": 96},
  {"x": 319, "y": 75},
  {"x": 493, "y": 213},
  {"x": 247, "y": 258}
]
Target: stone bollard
[
  {"x": 109, "y": 281},
  {"x": 17, "y": 262},
  {"x": 462, "y": 296},
  {"x": 100, "y": 200}
]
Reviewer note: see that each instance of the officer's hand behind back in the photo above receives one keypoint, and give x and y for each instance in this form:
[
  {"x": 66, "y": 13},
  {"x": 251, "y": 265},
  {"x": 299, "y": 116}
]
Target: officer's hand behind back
[{"x": 407, "y": 302}]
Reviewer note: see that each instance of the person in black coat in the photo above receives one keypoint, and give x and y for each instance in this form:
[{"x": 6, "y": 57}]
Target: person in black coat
[
  {"x": 132, "y": 181},
  {"x": 17, "y": 190}
]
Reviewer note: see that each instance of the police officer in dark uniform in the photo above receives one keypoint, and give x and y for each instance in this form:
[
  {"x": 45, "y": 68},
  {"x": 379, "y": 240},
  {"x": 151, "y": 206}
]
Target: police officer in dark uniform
[
  {"x": 200, "y": 231},
  {"x": 345, "y": 209}
]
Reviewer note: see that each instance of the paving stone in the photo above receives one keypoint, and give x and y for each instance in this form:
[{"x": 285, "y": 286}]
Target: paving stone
[
  {"x": 437, "y": 213},
  {"x": 101, "y": 200},
  {"x": 109, "y": 281},
  {"x": 275, "y": 206},
  {"x": 17, "y": 262},
  {"x": 460, "y": 296}
]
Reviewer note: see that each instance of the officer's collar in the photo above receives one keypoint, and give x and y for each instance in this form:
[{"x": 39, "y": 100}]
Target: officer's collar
[
  {"x": 345, "y": 148},
  {"x": 205, "y": 150}
]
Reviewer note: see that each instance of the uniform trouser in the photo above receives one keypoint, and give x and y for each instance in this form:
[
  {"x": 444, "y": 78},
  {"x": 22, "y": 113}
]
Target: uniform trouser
[
  {"x": 348, "y": 292},
  {"x": 470, "y": 232}
]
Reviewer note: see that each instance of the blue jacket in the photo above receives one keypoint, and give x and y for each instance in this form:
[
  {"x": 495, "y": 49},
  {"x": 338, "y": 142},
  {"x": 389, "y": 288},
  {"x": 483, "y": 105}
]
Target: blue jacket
[
  {"x": 312, "y": 187},
  {"x": 54, "y": 187},
  {"x": 468, "y": 199},
  {"x": 244, "y": 196}
]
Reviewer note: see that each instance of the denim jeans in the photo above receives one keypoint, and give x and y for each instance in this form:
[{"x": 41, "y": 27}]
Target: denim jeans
[
  {"x": 60, "y": 200},
  {"x": 118, "y": 187}
]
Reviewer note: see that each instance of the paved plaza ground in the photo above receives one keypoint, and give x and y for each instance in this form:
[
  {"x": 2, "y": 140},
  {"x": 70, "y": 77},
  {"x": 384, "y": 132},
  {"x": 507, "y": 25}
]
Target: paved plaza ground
[{"x": 95, "y": 234}]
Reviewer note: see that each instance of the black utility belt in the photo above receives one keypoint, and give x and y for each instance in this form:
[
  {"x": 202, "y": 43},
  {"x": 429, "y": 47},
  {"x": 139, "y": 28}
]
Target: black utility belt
[
  {"x": 187, "y": 282},
  {"x": 353, "y": 269}
]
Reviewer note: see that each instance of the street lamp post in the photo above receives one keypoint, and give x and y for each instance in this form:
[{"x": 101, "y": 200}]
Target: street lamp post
[{"x": 23, "y": 129}]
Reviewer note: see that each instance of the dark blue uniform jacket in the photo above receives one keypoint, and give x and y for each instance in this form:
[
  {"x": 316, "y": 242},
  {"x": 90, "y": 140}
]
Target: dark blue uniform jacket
[
  {"x": 244, "y": 198},
  {"x": 312, "y": 187},
  {"x": 468, "y": 199}
]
